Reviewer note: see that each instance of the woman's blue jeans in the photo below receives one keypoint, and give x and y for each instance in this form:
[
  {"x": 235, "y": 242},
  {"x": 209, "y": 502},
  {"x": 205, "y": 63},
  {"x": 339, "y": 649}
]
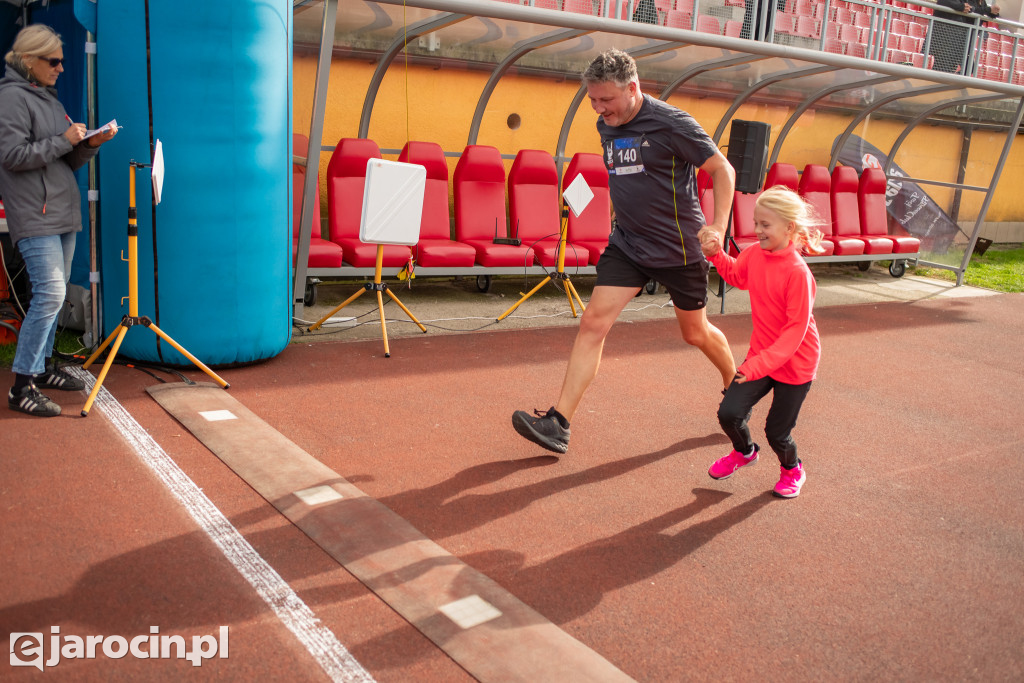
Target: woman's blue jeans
[{"x": 48, "y": 262}]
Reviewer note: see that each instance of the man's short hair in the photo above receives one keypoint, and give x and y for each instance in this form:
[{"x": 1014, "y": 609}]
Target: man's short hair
[{"x": 611, "y": 66}]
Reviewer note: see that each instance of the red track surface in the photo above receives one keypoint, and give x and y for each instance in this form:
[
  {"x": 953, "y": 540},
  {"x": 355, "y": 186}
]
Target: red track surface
[{"x": 903, "y": 558}]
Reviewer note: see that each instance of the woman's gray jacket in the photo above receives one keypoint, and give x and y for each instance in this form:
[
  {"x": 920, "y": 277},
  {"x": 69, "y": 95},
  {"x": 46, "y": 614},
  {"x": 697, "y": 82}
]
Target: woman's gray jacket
[{"x": 37, "y": 163}]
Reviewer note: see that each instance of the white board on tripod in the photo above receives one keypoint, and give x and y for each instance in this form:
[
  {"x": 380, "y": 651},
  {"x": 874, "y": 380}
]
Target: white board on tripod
[
  {"x": 392, "y": 202},
  {"x": 578, "y": 195},
  {"x": 158, "y": 172}
]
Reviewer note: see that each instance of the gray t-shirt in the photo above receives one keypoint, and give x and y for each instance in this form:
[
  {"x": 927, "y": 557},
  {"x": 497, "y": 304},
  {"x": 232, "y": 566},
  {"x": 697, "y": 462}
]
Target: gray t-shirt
[{"x": 652, "y": 162}]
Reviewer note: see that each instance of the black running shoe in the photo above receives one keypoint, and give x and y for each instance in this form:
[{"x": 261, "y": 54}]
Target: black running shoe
[
  {"x": 55, "y": 377},
  {"x": 29, "y": 400},
  {"x": 543, "y": 429}
]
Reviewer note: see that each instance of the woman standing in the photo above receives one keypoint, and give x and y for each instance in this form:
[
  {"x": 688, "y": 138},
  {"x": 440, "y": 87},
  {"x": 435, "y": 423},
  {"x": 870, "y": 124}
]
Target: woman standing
[{"x": 40, "y": 148}]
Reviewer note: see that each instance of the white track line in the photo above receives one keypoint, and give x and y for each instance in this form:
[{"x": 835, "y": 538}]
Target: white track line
[{"x": 297, "y": 617}]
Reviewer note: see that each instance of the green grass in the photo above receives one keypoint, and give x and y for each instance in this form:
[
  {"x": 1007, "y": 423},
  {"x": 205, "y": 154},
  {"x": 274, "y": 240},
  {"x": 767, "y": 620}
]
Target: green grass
[
  {"x": 1001, "y": 268},
  {"x": 67, "y": 342}
]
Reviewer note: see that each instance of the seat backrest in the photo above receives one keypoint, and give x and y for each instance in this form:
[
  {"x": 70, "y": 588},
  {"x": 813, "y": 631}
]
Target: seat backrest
[
  {"x": 708, "y": 24},
  {"x": 874, "y": 218},
  {"x": 743, "y": 214},
  {"x": 300, "y": 146},
  {"x": 346, "y": 176},
  {"x": 595, "y": 223},
  {"x": 436, "y": 221},
  {"x": 533, "y": 199},
  {"x": 845, "y": 211},
  {"x": 782, "y": 174},
  {"x": 816, "y": 189},
  {"x": 706, "y": 195},
  {"x": 479, "y": 185}
]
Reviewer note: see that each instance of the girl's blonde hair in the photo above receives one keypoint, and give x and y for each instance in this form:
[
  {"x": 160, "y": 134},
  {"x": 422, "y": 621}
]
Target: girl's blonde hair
[
  {"x": 791, "y": 208},
  {"x": 32, "y": 41}
]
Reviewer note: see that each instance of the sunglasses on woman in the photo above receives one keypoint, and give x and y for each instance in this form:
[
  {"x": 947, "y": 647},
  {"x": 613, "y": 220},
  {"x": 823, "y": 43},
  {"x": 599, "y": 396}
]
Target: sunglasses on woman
[{"x": 52, "y": 61}]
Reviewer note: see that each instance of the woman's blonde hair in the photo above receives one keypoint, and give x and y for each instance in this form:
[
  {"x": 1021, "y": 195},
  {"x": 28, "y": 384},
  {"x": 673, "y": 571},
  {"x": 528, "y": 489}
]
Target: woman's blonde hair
[
  {"x": 32, "y": 41},
  {"x": 791, "y": 208}
]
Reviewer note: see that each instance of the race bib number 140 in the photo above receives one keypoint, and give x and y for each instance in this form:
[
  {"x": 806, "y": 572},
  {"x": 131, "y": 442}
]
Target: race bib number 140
[{"x": 622, "y": 156}]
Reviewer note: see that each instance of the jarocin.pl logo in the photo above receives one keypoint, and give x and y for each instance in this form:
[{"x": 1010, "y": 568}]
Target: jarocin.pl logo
[{"x": 27, "y": 648}]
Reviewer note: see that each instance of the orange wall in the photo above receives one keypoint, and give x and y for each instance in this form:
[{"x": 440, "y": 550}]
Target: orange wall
[{"x": 438, "y": 105}]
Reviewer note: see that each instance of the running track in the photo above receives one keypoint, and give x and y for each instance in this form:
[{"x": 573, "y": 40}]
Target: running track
[{"x": 902, "y": 559}]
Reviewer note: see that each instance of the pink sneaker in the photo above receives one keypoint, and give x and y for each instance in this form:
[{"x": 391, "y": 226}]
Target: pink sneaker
[
  {"x": 790, "y": 482},
  {"x": 724, "y": 467}
]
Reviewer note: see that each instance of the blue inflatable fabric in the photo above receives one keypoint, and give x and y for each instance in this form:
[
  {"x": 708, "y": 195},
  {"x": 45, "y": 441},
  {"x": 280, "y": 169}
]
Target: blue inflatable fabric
[{"x": 215, "y": 254}]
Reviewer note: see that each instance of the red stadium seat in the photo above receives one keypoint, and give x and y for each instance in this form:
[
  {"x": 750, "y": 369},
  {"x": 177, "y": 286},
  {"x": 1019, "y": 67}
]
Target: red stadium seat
[
  {"x": 743, "y": 221},
  {"x": 846, "y": 213},
  {"x": 322, "y": 253},
  {"x": 534, "y": 205},
  {"x": 346, "y": 176},
  {"x": 808, "y": 27},
  {"x": 435, "y": 247},
  {"x": 874, "y": 219},
  {"x": 782, "y": 174},
  {"x": 706, "y": 195},
  {"x": 785, "y": 23},
  {"x": 589, "y": 231},
  {"x": 743, "y": 204},
  {"x": 479, "y": 186},
  {"x": 580, "y": 7},
  {"x": 708, "y": 24},
  {"x": 815, "y": 186},
  {"x": 679, "y": 19}
]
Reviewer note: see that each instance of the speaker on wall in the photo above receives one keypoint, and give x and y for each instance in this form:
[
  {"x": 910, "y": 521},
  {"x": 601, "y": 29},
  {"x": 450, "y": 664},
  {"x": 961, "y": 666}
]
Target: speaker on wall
[{"x": 748, "y": 153}]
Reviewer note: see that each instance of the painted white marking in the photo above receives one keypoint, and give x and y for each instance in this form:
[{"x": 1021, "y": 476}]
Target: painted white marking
[
  {"x": 296, "y": 616},
  {"x": 470, "y": 612},
  {"x": 317, "y": 495},
  {"x": 217, "y": 415}
]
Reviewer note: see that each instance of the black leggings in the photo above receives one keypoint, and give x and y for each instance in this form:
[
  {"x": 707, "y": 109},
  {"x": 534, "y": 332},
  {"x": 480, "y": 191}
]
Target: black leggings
[{"x": 734, "y": 414}]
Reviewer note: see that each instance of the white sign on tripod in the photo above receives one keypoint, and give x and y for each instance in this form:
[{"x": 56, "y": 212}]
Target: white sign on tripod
[
  {"x": 158, "y": 171},
  {"x": 578, "y": 195},
  {"x": 392, "y": 202}
]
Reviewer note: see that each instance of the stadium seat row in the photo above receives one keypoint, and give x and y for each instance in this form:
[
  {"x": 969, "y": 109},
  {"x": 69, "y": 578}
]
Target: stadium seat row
[
  {"x": 850, "y": 210},
  {"x": 482, "y": 217}
]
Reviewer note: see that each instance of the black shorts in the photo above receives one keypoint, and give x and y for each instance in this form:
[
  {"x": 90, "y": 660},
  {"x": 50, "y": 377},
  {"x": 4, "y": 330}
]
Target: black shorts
[{"x": 687, "y": 285}]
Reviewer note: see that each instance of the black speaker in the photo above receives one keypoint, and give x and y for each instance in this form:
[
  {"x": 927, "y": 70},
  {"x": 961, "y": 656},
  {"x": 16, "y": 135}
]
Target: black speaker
[{"x": 748, "y": 153}]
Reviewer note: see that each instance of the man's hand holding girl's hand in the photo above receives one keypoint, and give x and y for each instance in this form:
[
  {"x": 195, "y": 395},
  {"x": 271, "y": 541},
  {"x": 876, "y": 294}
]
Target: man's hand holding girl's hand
[{"x": 710, "y": 240}]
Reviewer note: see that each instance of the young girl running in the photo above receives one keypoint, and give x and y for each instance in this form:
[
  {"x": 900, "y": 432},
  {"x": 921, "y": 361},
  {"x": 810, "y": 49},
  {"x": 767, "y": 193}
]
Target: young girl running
[{"x": 784, "y": 345}]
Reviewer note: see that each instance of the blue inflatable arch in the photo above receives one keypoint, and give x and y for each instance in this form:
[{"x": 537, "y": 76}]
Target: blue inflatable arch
[{"x": 214, "y": 255}]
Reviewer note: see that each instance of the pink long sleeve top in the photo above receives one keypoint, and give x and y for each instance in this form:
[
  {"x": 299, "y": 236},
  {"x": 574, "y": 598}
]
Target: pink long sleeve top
[{"x": 784, "y": 344}]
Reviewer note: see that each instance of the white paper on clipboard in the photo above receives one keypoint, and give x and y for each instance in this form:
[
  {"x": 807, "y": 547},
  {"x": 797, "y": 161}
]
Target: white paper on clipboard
[
  {"x": 158, "y": 171},
  {"x": 102, "y": 129}
]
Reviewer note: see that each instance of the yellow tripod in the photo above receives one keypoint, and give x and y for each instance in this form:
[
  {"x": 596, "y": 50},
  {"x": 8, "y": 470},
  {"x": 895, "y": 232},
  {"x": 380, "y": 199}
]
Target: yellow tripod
[
  {"x": 380, "y": 288},
  {"x": 117, "y": 336},
  {"x": 559, "y": 274}
]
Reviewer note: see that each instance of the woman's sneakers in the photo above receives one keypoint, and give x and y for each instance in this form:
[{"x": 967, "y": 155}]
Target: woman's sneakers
[
  {"x": 31, "y": 401},
  {"x": 724, "y": 467},
  {"x": 790, "y": 482},
  {"x": 54, "y": 377}
]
